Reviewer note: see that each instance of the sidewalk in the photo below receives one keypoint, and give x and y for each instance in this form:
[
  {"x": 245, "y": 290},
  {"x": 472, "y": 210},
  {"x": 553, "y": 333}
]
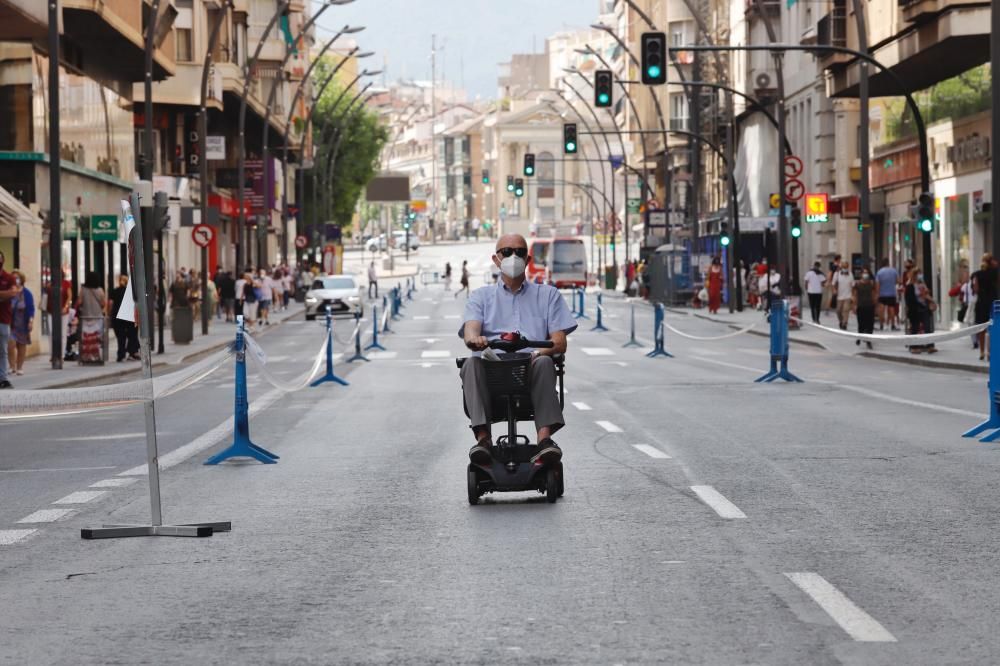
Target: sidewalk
[
  {"x": 952, "y": 354},
  {"x": 38, "y": 372}
]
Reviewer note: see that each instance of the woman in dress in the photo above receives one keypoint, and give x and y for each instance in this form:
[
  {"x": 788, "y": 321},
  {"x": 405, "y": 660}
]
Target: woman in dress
[
  {"x": 984, "y": 286},
  {"x": 21, "y": 326},
  {"x": 714, "y": 284}
]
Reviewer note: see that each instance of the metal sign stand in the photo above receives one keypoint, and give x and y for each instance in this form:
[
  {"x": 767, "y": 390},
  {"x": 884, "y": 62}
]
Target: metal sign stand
[{"x": 157, "y": 528}]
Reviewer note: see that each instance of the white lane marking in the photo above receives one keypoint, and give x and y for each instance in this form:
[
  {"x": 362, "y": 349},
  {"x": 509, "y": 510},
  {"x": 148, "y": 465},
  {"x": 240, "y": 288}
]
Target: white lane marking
[
  {"x": 428, "y": 365},
  {"x": 620, "y": 364},
  {"x": 651, "y": 451},
  {"x": 597, "y": 351},
  {"x": 8, "y": 537},
  {"x": 99, "y": 438},
  {"x": 911, "y": 403},
  {"x": 382, "y": 355},
  {"x": 707, "y": 352},
  {"x": 46, "y": 516},
  {"x": 714, "y": 499},
  {"x": 420, "y": 317},
  {"x": 210, "y": 438},
  {"x": 113, "y": 483},
  {"x": 609, "y": 426},
  {"x": 858, "y": 624},
  {"x": 435, "y": 353},
  {"x": 582, "y": 406},
  {"x": 81, "y": 497},
  {"x": 431, "y": 341},
  {"x": 453, "y": 316},
  {"x": 54, "y": 469}
]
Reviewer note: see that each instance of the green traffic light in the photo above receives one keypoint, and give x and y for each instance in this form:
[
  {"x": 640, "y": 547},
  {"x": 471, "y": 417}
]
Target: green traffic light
[
  {"x": 926, "y": 226},
  {"x": 603, "y": 98},
  {"x": 796, "y": 232},
  {"x": 725, "y": 241},
  {"x": 529, "y": 170},
  {"x": 654, "y": 71},
  {"x": 570, "y": 147}
]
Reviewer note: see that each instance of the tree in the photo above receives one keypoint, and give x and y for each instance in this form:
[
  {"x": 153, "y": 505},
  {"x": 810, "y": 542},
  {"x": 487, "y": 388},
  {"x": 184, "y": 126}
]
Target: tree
[{"x": 346, "y": 148}]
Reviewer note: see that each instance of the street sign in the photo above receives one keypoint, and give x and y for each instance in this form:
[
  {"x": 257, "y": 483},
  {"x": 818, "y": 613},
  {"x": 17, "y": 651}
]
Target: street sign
[
  {"x": 794, "y": 189},
  {"x": 657, "y": 219},
  {"x": 775, "y": 201},
  {"x": 817, "y": 207},
  {"x": 104, "y": 227},
  {"x": 301, "y": 242},
  {"x": 215, "y": 147},
  {"x": 202, "y": 235},
  {"x": 616, "y": 161},
  {"x": 634, "y": 205},
  {"x": 793, "y": 166}
]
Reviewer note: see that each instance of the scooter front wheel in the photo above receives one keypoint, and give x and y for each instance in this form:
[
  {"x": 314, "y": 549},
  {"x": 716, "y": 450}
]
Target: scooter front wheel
[
  {"x": 473, "y": 481},
  {"x": 551, "y": 486}
]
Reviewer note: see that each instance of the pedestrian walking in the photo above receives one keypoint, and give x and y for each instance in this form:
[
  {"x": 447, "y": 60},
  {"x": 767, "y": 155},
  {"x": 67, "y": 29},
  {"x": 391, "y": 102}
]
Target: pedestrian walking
[
  {"x": 91, "y": 305},
  {"x": 447, "y": 276},
  {"x": 22, "y": 323},
  {"x": 753, "y": 287},
  {"x": 194, "y": 294},
  {"x": 9, "y": 290},
  {"x": 815, "y": 279},
  {"x": 227, "y": 295},
  {"x": 126, "y": 333},
  {"x": 843, "y": 290},
  {"x": 464, "y": 280},
  {"x": 864, "y": 299},
  {"x": 264, "y": 292},
  {"x": 887, "y": 279},
  {"x": 834, "y": 268},
  {"x": 238, "y": 289},
  {"x": 249, "y": 300},
  {"x": 714, "y": 285},
  {"x": 769, "y": 286},
  {"x": 984, "y": 286},
  {"x": 288, "y": 287},
  {"x": 372, "y": 280},
  {"x": 920, "y": 308}
]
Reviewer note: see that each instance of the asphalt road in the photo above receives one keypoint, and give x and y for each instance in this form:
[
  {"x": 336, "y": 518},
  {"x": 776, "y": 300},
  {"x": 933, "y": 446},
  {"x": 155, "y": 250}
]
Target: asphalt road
[{"x": 707, "y": 519}]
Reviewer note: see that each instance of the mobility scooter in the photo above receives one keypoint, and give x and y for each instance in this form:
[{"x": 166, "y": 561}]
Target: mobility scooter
[{"x": 511, "y": 469}]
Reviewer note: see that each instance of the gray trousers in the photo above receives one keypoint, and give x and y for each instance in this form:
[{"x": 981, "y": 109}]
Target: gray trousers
[
  {"x": 4, "y": 339},
  {"x": 541, "y": 376}
]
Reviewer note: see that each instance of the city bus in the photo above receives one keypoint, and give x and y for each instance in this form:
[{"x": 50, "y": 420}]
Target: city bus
[{"x": 561, "y": 262}]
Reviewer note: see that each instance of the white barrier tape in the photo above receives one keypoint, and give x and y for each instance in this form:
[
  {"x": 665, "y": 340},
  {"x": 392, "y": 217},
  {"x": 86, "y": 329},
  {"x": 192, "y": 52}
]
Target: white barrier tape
[
  {"x": 903, "y": 340},
  {"x": 349, "y": 338},
  {"x": 18, "y": 404},
  {"x": 385, "y": 316},
  {"x": 714, "y": 337},
  {"x": 279, "y": 384}
]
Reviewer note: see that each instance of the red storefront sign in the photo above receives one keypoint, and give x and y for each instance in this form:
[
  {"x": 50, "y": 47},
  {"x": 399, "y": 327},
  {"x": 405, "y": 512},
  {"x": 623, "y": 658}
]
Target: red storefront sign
[{"x": 227, "y": 206}]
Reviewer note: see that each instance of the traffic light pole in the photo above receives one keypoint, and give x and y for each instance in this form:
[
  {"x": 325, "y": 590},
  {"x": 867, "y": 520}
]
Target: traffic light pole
[
  {"x": 995, "y": 124},
  {"x": 55, "y": 194}
]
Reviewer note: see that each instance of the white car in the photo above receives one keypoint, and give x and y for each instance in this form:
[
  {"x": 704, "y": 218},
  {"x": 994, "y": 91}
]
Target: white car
[
  {"x": 341, "y": 292},
  {"x": 399, "y": 238},
  {"x": 375, "y": 243}
]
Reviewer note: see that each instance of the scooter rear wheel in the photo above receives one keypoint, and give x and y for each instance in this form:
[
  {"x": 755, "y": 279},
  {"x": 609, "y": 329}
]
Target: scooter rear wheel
[
  {"x": 551, "y": 486},
  {"x": 473, "y": 481}
]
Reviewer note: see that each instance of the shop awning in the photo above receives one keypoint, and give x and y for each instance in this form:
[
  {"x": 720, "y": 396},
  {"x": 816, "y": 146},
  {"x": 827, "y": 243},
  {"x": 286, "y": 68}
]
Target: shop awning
[{"x": 12, "y": 211}]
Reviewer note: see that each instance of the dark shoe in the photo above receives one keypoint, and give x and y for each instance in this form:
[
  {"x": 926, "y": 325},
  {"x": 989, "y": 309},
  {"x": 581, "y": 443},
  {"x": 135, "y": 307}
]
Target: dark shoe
[
  {"x": 480, "y": 453},
  {"x": 5, "y": 384},
  {"x": 549, "y": 453}
]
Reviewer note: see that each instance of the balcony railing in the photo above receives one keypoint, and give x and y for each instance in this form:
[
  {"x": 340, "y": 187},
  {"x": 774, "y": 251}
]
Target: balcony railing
[{"x": 832, "y": 28}]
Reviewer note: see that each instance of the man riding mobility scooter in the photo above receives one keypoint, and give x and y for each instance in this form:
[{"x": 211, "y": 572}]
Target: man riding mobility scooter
[{"x": 514, "y": 467}]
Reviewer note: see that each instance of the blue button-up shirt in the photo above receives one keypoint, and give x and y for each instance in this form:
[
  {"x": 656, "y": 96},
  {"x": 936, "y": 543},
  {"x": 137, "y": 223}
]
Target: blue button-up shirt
[{"x": 535, "y": 311}]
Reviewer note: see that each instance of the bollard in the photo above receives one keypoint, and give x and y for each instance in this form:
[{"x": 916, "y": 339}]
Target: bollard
[
  {"x": 993, "y": 384},
  {"x": 330, "y": 376},
  {"x": 242, "y": 447},
  {"x": 659, "y": 338},
  {"x": 358, "y": 356},
  {"x": 573, "y": 303},
  {"x": 396, "y": 303},
  {"x": 409, "y": 289},
  {"x": 374, "y": 343},
  {"x": 600, "y": 314},
  {"x": 399, "y": 297},
  {"x": 582, "y": 312},
  {"x": 632, "y": 342},
  {"x": 779, "y": 344}
]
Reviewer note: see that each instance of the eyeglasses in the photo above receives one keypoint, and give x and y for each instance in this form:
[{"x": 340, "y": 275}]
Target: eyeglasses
[{"x": 507, "y": 251}]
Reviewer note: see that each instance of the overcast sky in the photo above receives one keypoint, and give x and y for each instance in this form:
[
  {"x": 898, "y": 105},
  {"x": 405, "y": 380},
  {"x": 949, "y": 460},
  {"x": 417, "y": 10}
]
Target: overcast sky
[{"x": 472, "y": 35}]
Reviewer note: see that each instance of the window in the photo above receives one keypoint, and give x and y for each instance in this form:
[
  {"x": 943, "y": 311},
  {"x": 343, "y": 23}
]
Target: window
[
  {"x": 183, "y": 31},
  {"x": 185, "y": 48},
  {"x": 678, "y": 111}
]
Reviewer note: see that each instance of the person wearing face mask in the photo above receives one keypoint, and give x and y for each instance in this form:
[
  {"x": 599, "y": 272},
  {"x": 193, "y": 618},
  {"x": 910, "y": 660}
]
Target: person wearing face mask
[
  {"x": 537, "y": 312},
  {"x": 843, "y": 284},
  {"x": 9, "y": 290}
]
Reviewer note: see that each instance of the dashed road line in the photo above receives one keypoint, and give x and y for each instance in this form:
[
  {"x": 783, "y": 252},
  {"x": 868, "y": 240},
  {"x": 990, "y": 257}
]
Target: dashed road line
[
  {"x": 597, "y": 351},
  {"x": 718, "y": 503},
  {"x": 420, "y": 317},
  {"x": 8, "y": 537},
  {"x": 609, "y": 426},
  {"x": 382, "y": 355},
  {"x": 435, "y": 353},
  {"x": 582, "y": 406},
  {"x": 81, "y": 497},
  {"x": 113, "y": 483},
  {"x": 651, "y": 451},
  {"x": 54, "y": 469},
  {"x": 858, "y": 624},
  {"x": 46, "y": 516}
]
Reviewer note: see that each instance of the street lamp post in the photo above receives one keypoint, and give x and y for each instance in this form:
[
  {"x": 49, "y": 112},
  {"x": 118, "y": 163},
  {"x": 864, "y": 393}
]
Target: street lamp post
[{"x": 55, "y": 194}]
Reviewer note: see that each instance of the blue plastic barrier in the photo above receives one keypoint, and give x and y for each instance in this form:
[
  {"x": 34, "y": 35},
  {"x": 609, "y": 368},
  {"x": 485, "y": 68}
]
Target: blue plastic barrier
[
  {"x": 600, "y": 314},
  {"x": 358, "y": 355},
  {"x": 659, "y": 337},
  {"x": 632, "y": 342},
  {"x": 581, "y": 313},
  {"x": 242, "y": 447},
  {"x": 779, "y": 344},
  {"x": 330, "y": 375},
  {"x": 993, "y": 385},
  {"x": 374, "y": 343}
]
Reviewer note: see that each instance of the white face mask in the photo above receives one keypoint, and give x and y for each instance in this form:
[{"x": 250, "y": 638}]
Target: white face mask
[{"x": 512, "y": 266}]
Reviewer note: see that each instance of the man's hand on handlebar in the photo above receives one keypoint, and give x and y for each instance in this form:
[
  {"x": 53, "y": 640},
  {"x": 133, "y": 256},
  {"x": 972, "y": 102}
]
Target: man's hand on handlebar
[{"x": 476, "y": 342}]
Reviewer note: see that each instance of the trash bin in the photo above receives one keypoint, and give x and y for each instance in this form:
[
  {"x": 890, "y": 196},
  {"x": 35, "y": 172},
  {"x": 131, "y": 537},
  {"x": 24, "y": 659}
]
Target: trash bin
[
  {"x": 181, "y": 325},
  {"x": 610, "y": 277}
]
